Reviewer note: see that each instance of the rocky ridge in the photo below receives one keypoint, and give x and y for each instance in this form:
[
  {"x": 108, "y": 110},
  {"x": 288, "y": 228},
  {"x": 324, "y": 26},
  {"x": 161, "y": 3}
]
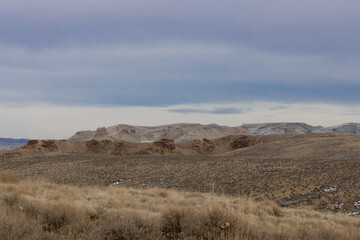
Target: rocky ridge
[
  {"x": 283, "y": 128},
  {"x": 179, "y": 132},
  {"x": 183, "y": 132}
]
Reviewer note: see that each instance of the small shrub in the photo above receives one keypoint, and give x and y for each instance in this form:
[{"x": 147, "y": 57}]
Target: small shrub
[
  {"x": 61, "y": 218},
  {"x": 163, "y": 194},
  {"x": 215, "y": 225},
  {"x": 126, "y": 227},
  {"x": 271, "y": 208},
  {"x": 54, "y": 219},
  {"x": 30, "y": 209},
  {"x": 171, "y": 224},
  {"x": 17, "y": 227},
  {"x": 11, "y": 199}
]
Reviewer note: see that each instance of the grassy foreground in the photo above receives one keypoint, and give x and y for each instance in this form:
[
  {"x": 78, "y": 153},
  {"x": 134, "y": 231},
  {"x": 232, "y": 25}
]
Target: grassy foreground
[{"x": 35, "y": 209}]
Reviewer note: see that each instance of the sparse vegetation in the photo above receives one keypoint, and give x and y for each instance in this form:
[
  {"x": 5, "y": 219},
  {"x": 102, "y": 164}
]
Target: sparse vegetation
[
  {"x": 262, "y": 178},
  {"x": 35, "y": 209},
  {"x": 236, "y": 195}
]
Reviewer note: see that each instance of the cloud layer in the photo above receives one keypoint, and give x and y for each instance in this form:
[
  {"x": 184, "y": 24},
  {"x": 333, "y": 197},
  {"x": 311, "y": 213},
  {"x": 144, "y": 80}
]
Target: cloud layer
[
  {"x": 82, "y": 54},
  {"x": 173, "y": 73},
  {"x": 327, "y": 27},
  {"x": 175, "y": 52}
]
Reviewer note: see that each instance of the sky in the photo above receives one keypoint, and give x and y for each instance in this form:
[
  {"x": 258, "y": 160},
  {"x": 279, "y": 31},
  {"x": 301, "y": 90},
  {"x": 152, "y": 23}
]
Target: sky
[{"x": 80, "y": 64}]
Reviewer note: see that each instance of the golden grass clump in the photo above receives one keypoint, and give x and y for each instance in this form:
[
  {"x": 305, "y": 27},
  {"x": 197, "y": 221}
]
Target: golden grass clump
[
  {"x": 34, "y": 209},
  {"x": 9, "y": 177}
]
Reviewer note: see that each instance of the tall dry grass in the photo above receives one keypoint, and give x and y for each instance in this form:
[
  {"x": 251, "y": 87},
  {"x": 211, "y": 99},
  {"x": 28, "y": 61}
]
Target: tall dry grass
[
  {"x": 9, "y": 177},
  {"x": 35, "y": 209}
]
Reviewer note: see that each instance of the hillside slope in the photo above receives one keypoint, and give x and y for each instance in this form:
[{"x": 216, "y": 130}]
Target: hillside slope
[{"x": 325, "y": 145}]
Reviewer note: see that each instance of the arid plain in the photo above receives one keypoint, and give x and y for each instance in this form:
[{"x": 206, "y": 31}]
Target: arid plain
[
  {"x": 261, "y": 167},
  {"x": 310, "y": 173}
]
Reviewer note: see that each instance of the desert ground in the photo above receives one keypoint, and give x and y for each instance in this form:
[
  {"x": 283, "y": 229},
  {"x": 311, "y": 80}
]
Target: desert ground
[
  {"x": 318, "y": 170},
  {"x": 315, "y": 173}
]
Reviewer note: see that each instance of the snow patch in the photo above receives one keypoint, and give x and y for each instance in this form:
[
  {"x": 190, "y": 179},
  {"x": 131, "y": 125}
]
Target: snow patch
[{"x": 120, "y": 181}]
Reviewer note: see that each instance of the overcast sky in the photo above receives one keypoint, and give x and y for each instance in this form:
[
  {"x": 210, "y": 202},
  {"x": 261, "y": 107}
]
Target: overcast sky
[{"x": 196, "y": 61}]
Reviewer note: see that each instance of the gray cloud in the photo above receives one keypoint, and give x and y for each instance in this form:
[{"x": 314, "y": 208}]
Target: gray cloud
[
  {"x": 325, "y": 27},
  {"x": 189, "y": 110},
  {"x": 227, "y": 110},
  {"x": 279, "y": 107},
  {"x": 173, "y": 73},
  {"x": 220, "y": 110},
  {"x": 176, "y": 52}
]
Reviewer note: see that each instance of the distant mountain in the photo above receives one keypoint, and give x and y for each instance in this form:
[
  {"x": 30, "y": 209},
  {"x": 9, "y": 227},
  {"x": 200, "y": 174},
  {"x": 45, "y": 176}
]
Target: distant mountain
[
  {"x": 182, "y": 132},
  {"x": 353, "y": 128},
  {"x": 283, "y": 128},
  {"x": 10, "y": 143},
  {"x": 179, "y": 132}
]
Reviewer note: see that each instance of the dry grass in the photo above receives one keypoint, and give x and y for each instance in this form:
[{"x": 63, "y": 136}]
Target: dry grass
[
  {"x": 9, "y": 177},
  {"x": 35, "y": 209}
]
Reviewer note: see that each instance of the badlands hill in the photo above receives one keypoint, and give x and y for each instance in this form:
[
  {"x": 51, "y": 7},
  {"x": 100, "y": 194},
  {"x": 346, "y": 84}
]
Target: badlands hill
[
  {"x": 280, "y": 128},
  {"x": 353, "y": 128},
  {"x": 122, "y": 148},
  {"x": 283, "y": 128},
  {"x": 183, "y": 132},
  {"x": 179, "y": 132}
]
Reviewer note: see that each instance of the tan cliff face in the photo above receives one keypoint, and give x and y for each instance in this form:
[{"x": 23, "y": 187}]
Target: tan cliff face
[{"x": 178, "y": 132}]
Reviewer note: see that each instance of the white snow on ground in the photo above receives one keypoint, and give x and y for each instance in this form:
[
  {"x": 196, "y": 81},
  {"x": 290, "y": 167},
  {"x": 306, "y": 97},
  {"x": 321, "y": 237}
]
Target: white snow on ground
[
  {"x": 120, "y": 181},
  {"x": 355, "y": 213},
  {"x": 357, "y": 204},
  {"x": 330, "y": 189},
  {"x": 339, "y": 205}
]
